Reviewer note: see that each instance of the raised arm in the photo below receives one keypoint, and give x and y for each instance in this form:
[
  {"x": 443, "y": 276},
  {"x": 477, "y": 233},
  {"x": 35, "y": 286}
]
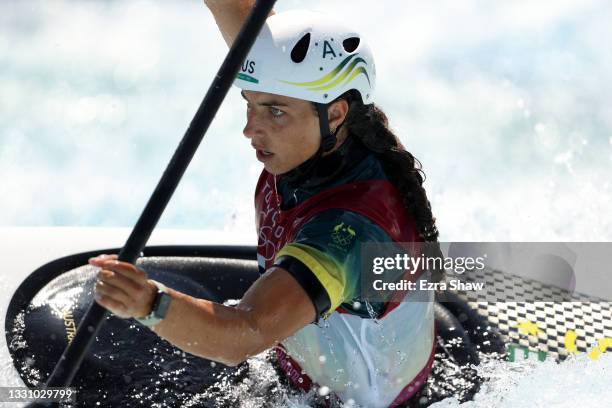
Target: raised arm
[{"x": 229, "y": 15}]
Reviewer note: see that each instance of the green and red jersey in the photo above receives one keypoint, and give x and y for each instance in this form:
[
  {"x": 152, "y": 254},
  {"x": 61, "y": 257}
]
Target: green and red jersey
[{"x": 315, "y": 231}]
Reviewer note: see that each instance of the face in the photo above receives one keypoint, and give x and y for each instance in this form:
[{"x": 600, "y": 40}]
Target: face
[{"x": 284, "y": 131}]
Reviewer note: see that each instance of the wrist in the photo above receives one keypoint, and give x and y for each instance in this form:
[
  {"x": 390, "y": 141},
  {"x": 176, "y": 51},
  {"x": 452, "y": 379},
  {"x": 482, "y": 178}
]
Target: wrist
[
  {"x": 152, "y": 294},
  {"x": 159, "y": 305}
]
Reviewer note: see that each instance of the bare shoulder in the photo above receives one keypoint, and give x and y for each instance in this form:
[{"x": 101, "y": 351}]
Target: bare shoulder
[{"x": 229, "y": 15}]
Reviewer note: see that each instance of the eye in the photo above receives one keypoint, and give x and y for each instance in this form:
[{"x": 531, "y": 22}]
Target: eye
[{"x": 276, "y": 112}]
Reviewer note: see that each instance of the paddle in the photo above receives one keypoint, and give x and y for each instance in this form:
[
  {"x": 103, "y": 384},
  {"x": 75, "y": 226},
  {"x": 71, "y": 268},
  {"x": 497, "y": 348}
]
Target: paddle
[{"x": 72, "y": 357}]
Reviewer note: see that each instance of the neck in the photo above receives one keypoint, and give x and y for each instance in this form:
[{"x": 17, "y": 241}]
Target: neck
[{"x": 323, "y": 167}]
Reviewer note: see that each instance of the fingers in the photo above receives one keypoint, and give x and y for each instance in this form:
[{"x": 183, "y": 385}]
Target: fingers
[
  {"x": 122, "y": 288},
  {"x": 100, "y": 259},
  {"x": 112, "y": 297},
  {"x": 127, "y": 276},
  {"x": 128, "y": 270},
  {"x": 116, "y": 307},
  {"x": 105, "y": 288}
]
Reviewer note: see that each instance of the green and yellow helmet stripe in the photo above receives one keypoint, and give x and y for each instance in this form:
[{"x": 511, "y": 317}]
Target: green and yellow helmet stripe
[
  {"x": 346, "y": 72},
  {"x": 332, "y": 79},
  {"x": 326, "y": 78},
  {"x": 360, "y": 70}
]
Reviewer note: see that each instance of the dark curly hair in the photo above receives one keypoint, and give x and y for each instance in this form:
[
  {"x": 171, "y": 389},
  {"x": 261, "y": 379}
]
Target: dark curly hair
[{"x": 370, "y": 124}]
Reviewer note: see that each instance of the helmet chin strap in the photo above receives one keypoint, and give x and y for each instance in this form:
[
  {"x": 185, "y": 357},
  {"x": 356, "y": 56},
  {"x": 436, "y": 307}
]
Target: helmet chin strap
[
  {"x": 328, "y": 138},
  {"x": 305, "y": 172}
]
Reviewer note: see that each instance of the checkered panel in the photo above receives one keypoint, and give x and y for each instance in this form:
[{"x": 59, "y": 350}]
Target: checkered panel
[{"x": 508, "y": 300}]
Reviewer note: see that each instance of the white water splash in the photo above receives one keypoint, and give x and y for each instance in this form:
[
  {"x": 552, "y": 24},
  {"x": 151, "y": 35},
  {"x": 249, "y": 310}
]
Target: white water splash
[{"x": 578, "y": 382}]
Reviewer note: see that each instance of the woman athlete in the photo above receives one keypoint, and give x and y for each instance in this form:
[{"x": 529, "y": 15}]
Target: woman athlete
[{"x": 335, "y": 178}]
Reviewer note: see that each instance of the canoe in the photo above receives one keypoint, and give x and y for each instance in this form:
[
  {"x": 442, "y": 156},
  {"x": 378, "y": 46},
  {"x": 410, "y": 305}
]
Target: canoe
[{"x": 129, "y": 365}]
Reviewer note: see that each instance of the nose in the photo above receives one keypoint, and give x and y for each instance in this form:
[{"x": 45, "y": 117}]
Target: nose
[{"x": 252, "y": 128}]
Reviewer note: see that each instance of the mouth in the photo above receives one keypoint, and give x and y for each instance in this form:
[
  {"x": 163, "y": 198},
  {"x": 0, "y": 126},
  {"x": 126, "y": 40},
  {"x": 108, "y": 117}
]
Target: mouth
[{"x": 263, "y": 155}]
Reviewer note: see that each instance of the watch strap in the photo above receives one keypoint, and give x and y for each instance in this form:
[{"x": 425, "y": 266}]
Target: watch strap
[{"x": 160, "y": 306}]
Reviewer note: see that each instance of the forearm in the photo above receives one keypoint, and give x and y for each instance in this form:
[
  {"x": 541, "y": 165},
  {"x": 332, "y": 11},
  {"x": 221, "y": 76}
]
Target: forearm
[
  {"x": 273, "y": 308},
  {"x": 229, "y": 15},
  {"x": 210, "y": 330}
]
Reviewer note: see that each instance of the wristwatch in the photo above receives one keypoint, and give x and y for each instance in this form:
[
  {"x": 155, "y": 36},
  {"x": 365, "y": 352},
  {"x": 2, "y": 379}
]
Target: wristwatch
[{"x": 160, "y": 306}]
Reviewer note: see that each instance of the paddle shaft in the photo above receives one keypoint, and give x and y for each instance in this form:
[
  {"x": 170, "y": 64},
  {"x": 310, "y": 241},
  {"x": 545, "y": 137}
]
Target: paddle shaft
[{"x": 72, "y": 357}]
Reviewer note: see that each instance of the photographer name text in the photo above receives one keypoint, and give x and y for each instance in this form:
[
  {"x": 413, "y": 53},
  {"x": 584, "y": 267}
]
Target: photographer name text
[{"x": 406, "y": 285}]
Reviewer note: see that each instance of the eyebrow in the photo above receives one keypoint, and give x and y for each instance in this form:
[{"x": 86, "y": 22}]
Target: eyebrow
[{"x": 269, "y": 103}]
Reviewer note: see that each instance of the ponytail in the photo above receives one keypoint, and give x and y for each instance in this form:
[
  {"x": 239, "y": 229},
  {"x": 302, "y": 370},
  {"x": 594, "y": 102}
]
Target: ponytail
[{"x": 370, "y": 125}]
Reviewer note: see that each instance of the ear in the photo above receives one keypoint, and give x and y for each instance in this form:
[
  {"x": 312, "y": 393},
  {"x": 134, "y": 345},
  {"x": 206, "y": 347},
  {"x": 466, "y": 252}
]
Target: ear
[{"x": 337, "y": 112}]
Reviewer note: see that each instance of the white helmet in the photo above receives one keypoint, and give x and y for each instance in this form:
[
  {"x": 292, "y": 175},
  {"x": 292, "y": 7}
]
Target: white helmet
[{"x": 306, "y": 55}]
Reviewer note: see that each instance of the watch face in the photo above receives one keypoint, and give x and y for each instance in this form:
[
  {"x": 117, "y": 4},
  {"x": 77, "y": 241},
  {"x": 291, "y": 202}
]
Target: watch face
[{"x": 161, "y": 308}]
